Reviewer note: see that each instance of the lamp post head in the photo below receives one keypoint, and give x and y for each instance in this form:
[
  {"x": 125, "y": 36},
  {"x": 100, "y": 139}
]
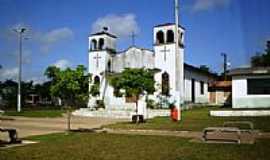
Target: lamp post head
[
  {"x": 20, "y": 30},
  {"x": 23, "y": 30}
]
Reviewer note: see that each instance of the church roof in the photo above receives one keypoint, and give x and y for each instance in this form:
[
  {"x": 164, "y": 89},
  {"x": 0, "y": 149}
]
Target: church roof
[
  {"x": 250, "y": 71},
  {"x": 136, "y": 47},
  {"x": 199, "y": 70},
  {"x": 104, "y": 33},
  {"x": 169, "y": 24}
]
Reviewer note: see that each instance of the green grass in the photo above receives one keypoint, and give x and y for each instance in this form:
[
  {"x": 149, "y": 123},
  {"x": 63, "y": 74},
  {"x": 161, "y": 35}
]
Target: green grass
[
  {"x": 193, "y": 120},
  {"x": 36, "y": 113},
  {"x": 80, "y": 146}
]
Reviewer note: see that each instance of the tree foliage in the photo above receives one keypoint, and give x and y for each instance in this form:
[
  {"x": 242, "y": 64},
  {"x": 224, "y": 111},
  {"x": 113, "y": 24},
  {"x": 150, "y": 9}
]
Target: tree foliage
[
  {"x": 69, "y": 85},
  {"x": 133, "y": 81},
  {"x": 9, "y": 91},
  {"x": 263, "y": 59}
]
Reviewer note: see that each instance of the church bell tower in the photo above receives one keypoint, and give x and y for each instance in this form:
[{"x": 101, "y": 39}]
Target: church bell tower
[
  {"x": 102, "y": 46},
  {"x": 169, "y": 59}
]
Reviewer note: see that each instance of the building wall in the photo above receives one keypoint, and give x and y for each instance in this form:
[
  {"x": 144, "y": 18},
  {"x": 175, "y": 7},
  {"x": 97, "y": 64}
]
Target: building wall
[
  {"x": 240, "y": 97},
  {"x": 199, "y": 98}
]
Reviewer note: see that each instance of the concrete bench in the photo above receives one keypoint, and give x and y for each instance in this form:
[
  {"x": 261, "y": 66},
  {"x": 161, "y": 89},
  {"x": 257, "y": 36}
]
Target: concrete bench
[
  {"x": 247, "y": 123},
  {"x": 13, "y": 135},
  {"x": 219, "y": 131}
]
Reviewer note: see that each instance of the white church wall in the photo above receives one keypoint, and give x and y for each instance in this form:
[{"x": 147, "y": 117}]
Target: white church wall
[
  {"x": 133, "y": 58},
  {"x": 167, "y": 65},
  {"x": 116, "y": 103},
  {"x": 97, "y": 59}
]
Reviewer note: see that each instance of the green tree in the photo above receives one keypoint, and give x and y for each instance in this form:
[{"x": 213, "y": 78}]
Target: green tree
[
  {"x": 134, "y": 82},
  {"x": 43, "y": 90},
  {"x": 8, "y": 91},
  {"x": 262, "y": 59},
  {"x": 51, "y": 72},
  {"x": 69, "y": 85}
]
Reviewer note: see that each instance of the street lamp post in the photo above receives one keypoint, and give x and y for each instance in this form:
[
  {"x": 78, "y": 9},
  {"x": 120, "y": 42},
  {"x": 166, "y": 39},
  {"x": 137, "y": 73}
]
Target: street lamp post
[{"x": 20, "y": 32}]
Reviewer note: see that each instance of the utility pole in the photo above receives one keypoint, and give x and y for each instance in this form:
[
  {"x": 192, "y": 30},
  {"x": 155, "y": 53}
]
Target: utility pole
[
  {"x": 180, "y": 85},
  {"x": 20, "y": 32},
  {"x": 225, "y": 63}
]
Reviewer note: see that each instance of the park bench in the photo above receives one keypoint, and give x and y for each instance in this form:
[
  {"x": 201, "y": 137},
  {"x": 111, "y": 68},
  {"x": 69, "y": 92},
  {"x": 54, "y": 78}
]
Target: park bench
[
  {"x": 13, "y": 135},
  {"x": 220, "y": 134}
]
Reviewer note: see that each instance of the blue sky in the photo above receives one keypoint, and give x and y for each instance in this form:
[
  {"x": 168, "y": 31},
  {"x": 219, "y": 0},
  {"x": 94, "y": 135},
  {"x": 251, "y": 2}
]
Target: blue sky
[{"x": 58, "y": 30}]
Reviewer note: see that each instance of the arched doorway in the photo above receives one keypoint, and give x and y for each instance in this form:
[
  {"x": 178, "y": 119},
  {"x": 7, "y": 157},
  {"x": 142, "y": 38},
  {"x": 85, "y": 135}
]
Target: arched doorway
[{"x": 165, "y": 84}]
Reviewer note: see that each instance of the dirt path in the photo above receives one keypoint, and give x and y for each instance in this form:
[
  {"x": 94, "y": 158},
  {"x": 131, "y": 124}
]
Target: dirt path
[
  {"x": 245, "y": 137},
  {"x": 39, "y": 126}
]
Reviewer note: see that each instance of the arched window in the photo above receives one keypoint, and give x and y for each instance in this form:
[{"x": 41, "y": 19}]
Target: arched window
[
  {"x": 93, "y": 44},
  {"x": 110, "y": 66},
  {"x": 160, "y": 37},
  {"x": 181, "y": 39},
  {"x": 97, "y": 80},
  {"x": 165, "y": 84},
  {"x": 170, "y": 36},
  {"x": 101, "y": 44}
]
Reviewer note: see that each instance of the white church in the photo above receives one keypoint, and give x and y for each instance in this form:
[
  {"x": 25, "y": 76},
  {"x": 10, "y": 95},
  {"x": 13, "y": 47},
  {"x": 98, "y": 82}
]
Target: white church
[{"x": 186, "y": 83}]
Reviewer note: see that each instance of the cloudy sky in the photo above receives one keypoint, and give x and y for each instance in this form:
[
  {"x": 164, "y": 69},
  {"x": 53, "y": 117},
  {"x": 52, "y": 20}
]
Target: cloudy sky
[{"x": 58, "y": 30}]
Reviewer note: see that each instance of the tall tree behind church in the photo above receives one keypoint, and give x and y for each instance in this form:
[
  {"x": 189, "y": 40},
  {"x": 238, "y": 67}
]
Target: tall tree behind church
[{"x": 263, "y": 59}]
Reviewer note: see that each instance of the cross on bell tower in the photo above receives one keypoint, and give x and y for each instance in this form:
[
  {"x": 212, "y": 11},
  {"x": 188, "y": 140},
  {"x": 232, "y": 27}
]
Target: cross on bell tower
[
  {"x": 97, "y": 57},
  {"x": 102, "y": 46},
  {"x": 165, "y": 51}
]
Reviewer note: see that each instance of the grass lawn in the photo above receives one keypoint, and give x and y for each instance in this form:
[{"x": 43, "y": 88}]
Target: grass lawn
[
  {"x": 89, "y": 146},
  {"x": 193, "y": 120}
]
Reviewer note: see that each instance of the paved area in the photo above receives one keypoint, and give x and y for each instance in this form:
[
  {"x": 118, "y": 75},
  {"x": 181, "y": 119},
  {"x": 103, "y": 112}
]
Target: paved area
[{"x": 39, "y": 126}]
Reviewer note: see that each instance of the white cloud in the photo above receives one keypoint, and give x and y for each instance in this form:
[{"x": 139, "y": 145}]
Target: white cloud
[
  {"x": 49, "y": 39},
  {"x": 120, "y": 25},
  {"x": 62, "y": 63},
  {"x": 203, "y": 5},
  {"x": 8, "y": 73}
]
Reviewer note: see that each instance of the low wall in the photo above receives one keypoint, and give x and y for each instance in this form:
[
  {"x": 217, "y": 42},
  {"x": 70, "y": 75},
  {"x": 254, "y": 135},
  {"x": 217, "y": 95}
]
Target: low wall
[
  {"x": 250, "y": 113},
  {"x": 151, "y": 113},
  {"x": 252, "y": 102},
  {"x": 119, "y": 114}
]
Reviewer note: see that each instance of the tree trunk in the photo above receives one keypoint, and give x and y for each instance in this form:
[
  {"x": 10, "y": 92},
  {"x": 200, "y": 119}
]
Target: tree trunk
[{"x": 137, "y": 98}]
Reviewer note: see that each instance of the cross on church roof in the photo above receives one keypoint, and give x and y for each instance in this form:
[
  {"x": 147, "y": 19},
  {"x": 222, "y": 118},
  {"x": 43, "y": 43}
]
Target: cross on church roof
[{"x": 133, "y": 37}]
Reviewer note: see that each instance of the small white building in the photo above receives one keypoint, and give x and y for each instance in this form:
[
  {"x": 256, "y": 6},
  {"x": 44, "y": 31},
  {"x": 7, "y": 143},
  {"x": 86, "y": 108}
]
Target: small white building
[
  {"x": 174, "y": 73},
  {"x": 250, "y": 87}
]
